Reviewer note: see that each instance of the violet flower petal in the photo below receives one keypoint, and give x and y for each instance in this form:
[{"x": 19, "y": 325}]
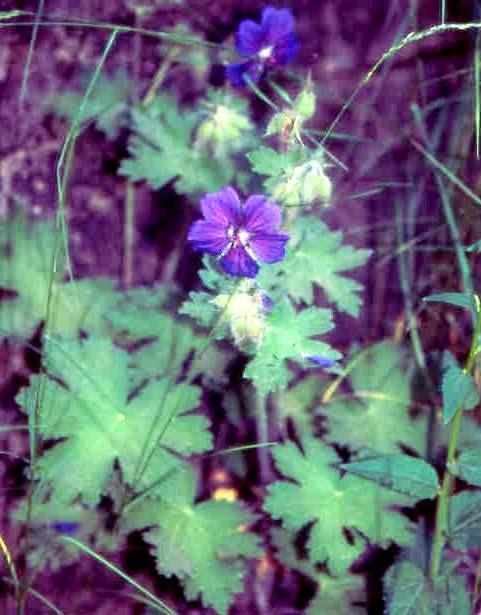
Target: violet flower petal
[
  {"x": 320, "y": 361},
  {"x": 208, "y": 237},
  {"x": 269, "y": 248},
  {"x": 238, "y": 263},
  {"x": 236, "y": 73},
  {"x": 249, "y": 38},
  {"x": 286, "y": 49},
  {"x": 65, "y": 527},
  {"x": 276, "y": 23},
  {"x": 222, "y": 208},
  {"x": 260, "y": 215}
]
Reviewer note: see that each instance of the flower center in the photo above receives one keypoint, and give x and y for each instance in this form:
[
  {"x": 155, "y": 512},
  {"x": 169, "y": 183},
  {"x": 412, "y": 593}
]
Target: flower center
[
  {"x": 265, "y": 54},
  {"x": 238, "y": 235}
]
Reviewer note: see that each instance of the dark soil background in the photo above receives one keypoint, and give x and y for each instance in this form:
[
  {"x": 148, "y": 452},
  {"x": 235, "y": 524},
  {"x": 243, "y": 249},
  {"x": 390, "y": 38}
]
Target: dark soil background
[{"x": 340, "y": 40}]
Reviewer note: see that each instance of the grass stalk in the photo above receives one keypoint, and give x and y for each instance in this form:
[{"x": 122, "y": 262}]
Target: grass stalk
[{"x": 31, "y": 48}]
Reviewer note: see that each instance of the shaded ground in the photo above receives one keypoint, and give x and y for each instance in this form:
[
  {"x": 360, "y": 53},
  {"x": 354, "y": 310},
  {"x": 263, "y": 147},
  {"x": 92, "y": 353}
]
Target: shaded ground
[{"x": 340, "y": 42}]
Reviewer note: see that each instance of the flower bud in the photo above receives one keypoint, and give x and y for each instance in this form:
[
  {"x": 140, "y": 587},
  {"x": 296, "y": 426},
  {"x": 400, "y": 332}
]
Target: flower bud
[
  {"x": 305, "y": 184},
  {"x": 223, "y": 130},
  {"x": 245, "y": 312}
]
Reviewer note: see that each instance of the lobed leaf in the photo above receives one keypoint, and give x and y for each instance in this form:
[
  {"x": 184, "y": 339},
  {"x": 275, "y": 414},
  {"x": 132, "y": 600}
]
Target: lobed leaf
[
  {"x": 375, "y": 416},
  {"x": 321, "y": 497}
]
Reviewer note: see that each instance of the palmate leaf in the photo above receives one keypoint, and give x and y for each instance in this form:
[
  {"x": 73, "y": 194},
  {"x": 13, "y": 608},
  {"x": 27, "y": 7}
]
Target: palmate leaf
[
  {"x": 99, "y": 423},
  {"x": 337, "y": 596},
  {"x": 170, "y": 343},
  {"x": 25, "y": 268},
  {"x": 376, "y": 415},
  {"x": 203, "y": 544},
  {"x": 298, "y": 402},
  {"x": 316, "y": 257},
  {"x": 107, "y": 105},
  {"x": 288, "y": 335},
  {"x": 162, "y": 150},
  {"x": 334, "y": 595},
  {"x": 319, "y": 495}
]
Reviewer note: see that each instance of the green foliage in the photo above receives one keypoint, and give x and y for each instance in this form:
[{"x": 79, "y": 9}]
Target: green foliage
[
  {"x": 202, "y": 307},
  {"x": 107, "y": 106},
  {"x": 458, "y": 388},
  {"x": 185, "y": 47},
  {"x": 26, "y": 268},
  {"x": 468, "y": 465},
  {"x": 162, "y": 151},
  {"x": 337, "y": 596},
  {"x": 288, "y": 123},
  {"x": 462, "y": 300},
  {"x": 316, "y": 257},
  {"x": 283, "y": 334},
  {"x": 409, "y": 475},
  {"x": 49, "y": 518},
  {"x": 99, "y": 423},
  {"x": 227, "y": 127},
  {"x": 203, "y": 544},
  {"x": 288, "y": 335},
  {"x": 334, "y": 595},
  {"x": 376, "y": 415},
  {"x": 298, "y": 402},
  {"x": 407, "y": 592},
  {"x": 465, "y": 528},
  {"x": 295, "y": 178},
  {"x": 319, "y": 495}
]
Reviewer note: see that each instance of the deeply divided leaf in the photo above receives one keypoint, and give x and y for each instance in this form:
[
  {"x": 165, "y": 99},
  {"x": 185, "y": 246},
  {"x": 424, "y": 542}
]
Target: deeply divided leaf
[
  {"x": 375, "y": 415},
  {"x": 320, "y": 497}
]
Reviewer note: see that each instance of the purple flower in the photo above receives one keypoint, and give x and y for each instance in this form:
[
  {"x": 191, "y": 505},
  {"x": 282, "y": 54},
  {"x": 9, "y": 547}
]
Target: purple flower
[
  {"x": 268, "y": 44},
  {"x": 65, "y": 527},
  {"x": 241, "y": 235},
  {"x": 320, "y": 361}
]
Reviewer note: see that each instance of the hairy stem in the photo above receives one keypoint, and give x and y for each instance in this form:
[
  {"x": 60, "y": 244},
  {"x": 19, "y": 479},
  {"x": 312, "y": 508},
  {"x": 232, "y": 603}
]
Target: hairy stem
[{"x": 445, "y": 492}]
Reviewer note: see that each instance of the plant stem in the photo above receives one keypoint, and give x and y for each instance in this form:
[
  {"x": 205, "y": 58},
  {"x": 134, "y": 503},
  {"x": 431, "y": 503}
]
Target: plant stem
[
  {"x": 265, "y": 472},
  {"x": 444, "y": 494}
]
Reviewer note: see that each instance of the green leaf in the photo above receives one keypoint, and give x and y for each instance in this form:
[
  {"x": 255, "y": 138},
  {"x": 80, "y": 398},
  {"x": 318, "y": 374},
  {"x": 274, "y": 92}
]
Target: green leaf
[
  {"x": 162, "y": 150},
  {"x": 407, "y": 592},
  {"x": 25, "y": 268},
  {"x": 458, "y": 388},
  {"x": 468, "y": 466},
  {"x": 305, "y": 104},
  {"x": 315, "y": 258},
  {"x": 267, "y": 161},
  {"x": 463, "y": 300},
  {"x": 99, "y": 423},
  {"x": 319, "y": 495},
  {"x": 409, "y": 475},
  {"x": 298, "y": 402},
  {"x": 202, "y": 544},
  {"x": 465, "y": 520},
  {"x": 375, "y": 416},
  {"x": 336, "y": 596},
  {"x": 288, "y": 335},
  {"x": 108, "y": 103}
]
